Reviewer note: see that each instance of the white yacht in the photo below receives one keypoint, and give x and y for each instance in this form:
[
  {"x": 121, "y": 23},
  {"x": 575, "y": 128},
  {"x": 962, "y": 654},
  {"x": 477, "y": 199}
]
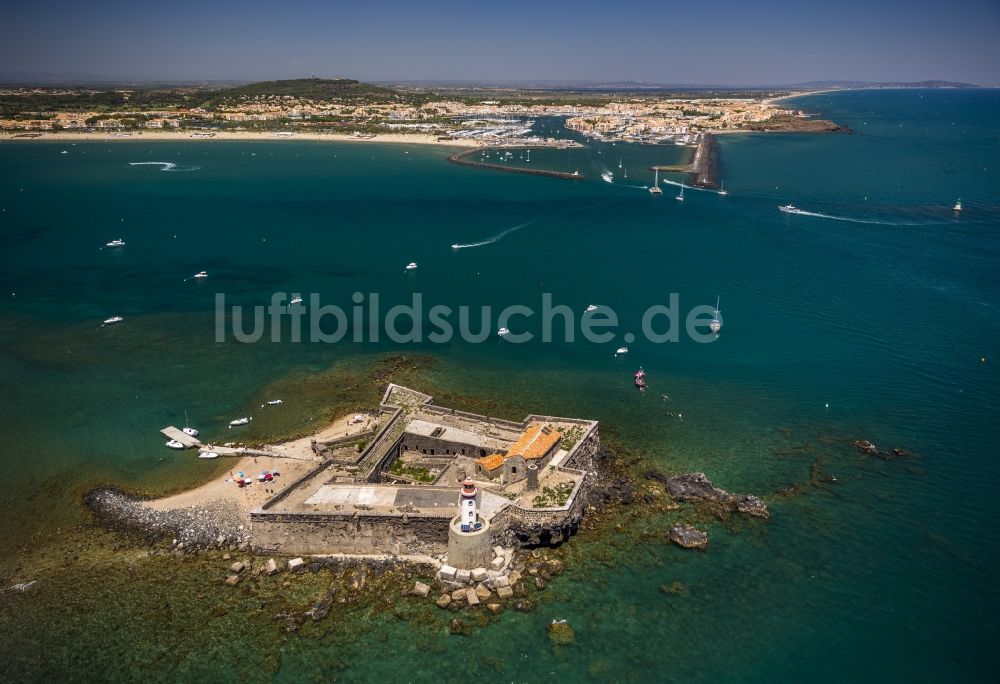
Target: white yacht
[
  {"x": 200, "y": 275},
  {"x": 296, "y": 300},
  {"x": 412, "y": 266},
  {"x": 174, "y": 444},
  {"x": 958, "y": 205},
  {"x": 113, "y": 320},
  {"x": 608, "y": 177},
  {"x": 503, "y": 331},
  {"x": 118, "y": 242},
  {"x": 275, "y": 402},
  {"x": 621, "y": 350},
  {"x": 722, "y": 190},
  {"x": 239, "y": 421},
  {"x": 592, "y": 307},
  {"x": 790, "y": 209},
  {"x": 189, "y": 431},
  {"x": 208, "y": 454}
]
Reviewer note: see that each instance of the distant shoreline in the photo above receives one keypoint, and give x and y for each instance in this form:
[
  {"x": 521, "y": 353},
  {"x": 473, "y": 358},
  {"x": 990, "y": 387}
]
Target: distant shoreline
[{"x": 175, "y": 136}]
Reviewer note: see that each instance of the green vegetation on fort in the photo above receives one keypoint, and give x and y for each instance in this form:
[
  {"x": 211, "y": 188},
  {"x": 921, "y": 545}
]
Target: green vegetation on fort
[
  {"x": 553, "y": 497},
  {"x": 419, "y": 474}
]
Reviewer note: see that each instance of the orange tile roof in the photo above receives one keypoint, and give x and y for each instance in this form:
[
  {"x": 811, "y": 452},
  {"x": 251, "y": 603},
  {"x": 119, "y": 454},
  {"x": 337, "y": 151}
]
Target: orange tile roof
[
  {"x": 535, "y": 442},
  {"x": 491, "y": 462}
]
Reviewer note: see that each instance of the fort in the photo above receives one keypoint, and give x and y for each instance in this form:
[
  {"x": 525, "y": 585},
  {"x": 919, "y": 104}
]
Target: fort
[{"x": 395, "y": 489}]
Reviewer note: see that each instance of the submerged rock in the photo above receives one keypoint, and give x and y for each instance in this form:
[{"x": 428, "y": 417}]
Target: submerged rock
[
  {"x": 561, "y": 633},
  {"x": 688, "y": 537}
]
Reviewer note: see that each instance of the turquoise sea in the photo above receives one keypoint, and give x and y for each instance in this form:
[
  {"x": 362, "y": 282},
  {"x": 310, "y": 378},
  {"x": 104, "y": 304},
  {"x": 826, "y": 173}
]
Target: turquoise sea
[{"x": 875, "y": 318}]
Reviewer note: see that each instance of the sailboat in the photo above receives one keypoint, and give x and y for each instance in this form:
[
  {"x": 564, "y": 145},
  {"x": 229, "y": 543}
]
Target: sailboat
[
  {"x": 716, "y": 323},
  {"x": 958, "y": 205},
  {"x": 680, "y": 197},
  {"x": 619, "y": 162},
  {"x": 722, "y": 190},
  {"x": 655, "y": 188},
  {"x": 187, "y": 429}
]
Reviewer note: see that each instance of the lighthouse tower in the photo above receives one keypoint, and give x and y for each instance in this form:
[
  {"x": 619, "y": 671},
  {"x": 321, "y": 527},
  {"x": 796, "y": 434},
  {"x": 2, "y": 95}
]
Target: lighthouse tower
[
  {"x": 469, "y": 510},
  {"x": 469, "y": 536}
]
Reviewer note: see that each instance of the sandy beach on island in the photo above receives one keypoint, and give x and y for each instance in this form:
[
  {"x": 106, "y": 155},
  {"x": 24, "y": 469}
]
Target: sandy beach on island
[
  {"x": 296, "y": 459},
  {"x": 160, "y": 136}
]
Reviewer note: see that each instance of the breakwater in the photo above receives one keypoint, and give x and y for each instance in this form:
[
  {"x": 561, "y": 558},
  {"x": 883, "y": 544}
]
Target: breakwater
[
  {"x": 705, "y": 163},
  {"x": 462, "y": 158}
]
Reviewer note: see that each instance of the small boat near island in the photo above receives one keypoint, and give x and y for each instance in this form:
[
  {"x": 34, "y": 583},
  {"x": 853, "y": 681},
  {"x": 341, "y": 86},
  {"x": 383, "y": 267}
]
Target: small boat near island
[
  {"x": 590, "y": 308},
  {"x": 200, "y": 275},
  {"x": 412, "y": 266},
  {"x": 958, "y": 205},
  {"x": 640, "y": 379},
  {"x": 296, "y": 300},
  {"x": 503, "y": 331},
  {"x": 207, "y": 455},
  {"x": 715, "y": 325},
  {"x": 722, "y": 190},
  {"x": 113, "y": 320},
  {"x": 187, "y": 429},
  {"x": 608, "y": 177},
  {"x": 174, "y": 444},
  {"x": 275, "y": 402},
  {"x": 621, "y": 350},
  {"x": 118, "y": 242},
  {"x": 654, "y": 189},
  {"x": 240, "y": 421}
]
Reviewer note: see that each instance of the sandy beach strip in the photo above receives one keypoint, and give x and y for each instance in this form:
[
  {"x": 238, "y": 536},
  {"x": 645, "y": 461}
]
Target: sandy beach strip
[{"x": 296, "y": 459}]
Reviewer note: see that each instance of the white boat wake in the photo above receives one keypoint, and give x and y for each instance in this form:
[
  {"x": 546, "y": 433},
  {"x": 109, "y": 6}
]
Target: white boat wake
[
  {"x": 816, "y": 214},
  {"x": 167, "y": 166},
  {"x": 496, "y": 238}
]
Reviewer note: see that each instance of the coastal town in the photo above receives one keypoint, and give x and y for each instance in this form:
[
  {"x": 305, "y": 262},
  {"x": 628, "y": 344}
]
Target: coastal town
[{"x": 346, "y": 107}]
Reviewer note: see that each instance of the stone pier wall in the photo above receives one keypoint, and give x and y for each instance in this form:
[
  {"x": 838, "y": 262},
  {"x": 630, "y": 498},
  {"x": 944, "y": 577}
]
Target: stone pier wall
[{"x": 364, "y": 534}]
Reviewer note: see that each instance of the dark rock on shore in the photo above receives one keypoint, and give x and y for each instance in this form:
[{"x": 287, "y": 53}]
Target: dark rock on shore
[
  {"x": 697, "y": 487},
  {"x": 688, "y": 537},
  {"x": 866, "y": 447},
  {"x": 191, "y": 528}
]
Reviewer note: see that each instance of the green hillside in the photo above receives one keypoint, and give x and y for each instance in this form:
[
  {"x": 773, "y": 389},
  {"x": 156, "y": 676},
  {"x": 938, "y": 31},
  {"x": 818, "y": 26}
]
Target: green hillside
[{"x": 317, "y": 89}]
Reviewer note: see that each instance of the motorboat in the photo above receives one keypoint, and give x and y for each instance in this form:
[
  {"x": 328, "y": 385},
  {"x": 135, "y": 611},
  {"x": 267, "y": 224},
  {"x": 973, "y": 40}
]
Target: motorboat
[
  {"x": 412, "y": 266},
  {"x": 200, "y": 275},
  {"x": 239, "y": 421},
  {"x": 503, "y": 331},
  {"x": 113, "y": 320},
  {"x": 275, "y": 402},
  {"x": 621, "y": 350},
  {"x": 295, "y": 300},
  {"x": 208, "y": 454},
  {"x": 117, "y": 242},
  {"x": 592, "y": 307},
  {"x": 174, "y": 444},
  {"x": 790, "y": 209},
  {"x": 608, "y": 177}
]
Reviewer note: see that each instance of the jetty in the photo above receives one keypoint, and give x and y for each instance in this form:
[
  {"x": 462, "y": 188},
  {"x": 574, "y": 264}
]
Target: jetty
[
  {"x": 189, "y": 442},
  {"x": 461, "y": 158},
  {"x": 702, "y": 167}
]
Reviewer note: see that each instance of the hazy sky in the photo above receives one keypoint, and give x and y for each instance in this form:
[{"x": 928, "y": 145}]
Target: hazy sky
[{"x": 699, "y": 41}]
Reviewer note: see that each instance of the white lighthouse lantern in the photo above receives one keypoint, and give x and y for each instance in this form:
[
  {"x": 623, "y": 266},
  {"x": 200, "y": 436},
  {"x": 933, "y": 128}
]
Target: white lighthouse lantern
[{"x": 467, "y": 503}]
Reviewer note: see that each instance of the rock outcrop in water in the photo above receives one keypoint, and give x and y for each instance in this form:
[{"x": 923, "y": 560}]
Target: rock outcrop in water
[
  {"x": 697, "y": 487},
  {"x": 688, "y": 537}
]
